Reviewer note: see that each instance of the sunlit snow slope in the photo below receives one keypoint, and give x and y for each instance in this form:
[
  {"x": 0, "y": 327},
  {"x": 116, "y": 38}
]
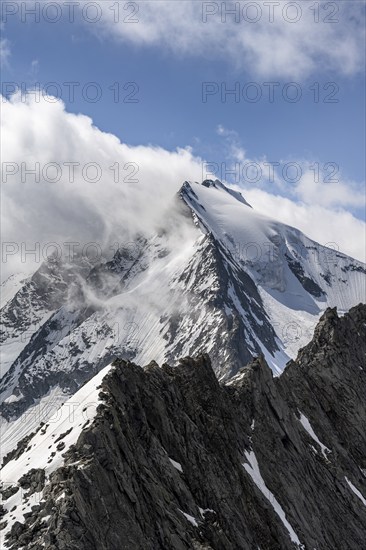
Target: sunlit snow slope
[
  {"x": 217, "y": 277},
  {"x": 297, "y": 278}
]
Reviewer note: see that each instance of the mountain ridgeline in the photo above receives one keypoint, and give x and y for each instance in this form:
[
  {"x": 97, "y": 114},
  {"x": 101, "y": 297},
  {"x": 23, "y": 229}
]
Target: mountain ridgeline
[
  {"x": 176, "y": 460},
  {"x": 216, "y": 278},
  {"x": 255, "y": 440}
]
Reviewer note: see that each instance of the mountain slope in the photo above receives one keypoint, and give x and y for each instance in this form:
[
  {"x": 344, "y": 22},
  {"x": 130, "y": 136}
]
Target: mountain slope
[
  {"x": 173, "y": 459},
  {"x": 217, "y": 278},
  {"x": 297, "y": 278}
]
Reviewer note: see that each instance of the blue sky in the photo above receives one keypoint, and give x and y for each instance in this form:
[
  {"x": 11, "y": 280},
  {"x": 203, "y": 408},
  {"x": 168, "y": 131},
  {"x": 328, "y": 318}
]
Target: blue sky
[
  {"x": 168, "y": 55},
  {"x": 170, "y": 111}
]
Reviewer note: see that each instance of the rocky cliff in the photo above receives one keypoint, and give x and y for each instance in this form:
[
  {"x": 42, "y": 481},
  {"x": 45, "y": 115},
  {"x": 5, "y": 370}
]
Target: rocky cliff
[{"x": 175, "y": 460}]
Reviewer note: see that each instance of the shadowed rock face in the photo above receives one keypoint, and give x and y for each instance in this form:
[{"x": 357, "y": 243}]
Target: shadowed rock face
[
  {"x": 215, "y": 277},
  {"x": 176, "y": 461}
]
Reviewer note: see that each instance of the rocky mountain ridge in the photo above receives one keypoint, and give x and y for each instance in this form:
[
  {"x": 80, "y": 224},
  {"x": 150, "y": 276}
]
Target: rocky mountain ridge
[
  {"x": 217, "y": 278},
  {"x": 175, "y": 459}
]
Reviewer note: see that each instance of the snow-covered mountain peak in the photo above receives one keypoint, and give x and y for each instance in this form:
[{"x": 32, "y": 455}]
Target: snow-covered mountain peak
[
  {"x": 217, "y": 277},
  {"x": 189, "y": 187}
]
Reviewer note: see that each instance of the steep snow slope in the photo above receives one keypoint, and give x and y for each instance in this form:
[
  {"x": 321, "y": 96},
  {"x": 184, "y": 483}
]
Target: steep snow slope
[
  {"x": 297, "y": 278},
  {"x": 45, "y": 449},
  {"x": 10, "y": 287},
  {"x": 217, "y": 278},
  {"x": 26, "y": 310},
  {"x": 269, "y": 250}
]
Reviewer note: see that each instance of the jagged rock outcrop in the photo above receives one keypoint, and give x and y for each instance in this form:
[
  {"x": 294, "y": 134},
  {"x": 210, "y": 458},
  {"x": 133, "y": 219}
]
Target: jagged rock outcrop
[
  {"x": 174, "y": 460},
  {"x": 215, "y": 276}
]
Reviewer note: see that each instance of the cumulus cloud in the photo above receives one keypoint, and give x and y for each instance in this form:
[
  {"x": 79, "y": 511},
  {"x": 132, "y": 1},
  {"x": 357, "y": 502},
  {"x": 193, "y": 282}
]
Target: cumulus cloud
[
  {"x": 65, "y": 181},
  {"x": 269, "y": 39},
  {"x": 282, "y": 40},
  {"x": 329, "y": 193}
]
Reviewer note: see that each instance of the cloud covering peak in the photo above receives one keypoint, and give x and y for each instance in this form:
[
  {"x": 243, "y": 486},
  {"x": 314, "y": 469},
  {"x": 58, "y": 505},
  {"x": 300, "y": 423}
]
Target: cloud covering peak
[{"x": 64, "y": 180}]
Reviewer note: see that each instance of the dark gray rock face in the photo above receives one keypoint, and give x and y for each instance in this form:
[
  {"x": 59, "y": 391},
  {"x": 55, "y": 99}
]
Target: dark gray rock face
[
  {"x": 176, "y": 461},
  {"x": 36, "y": 318},
  {"x": 328, "y": 384},
  {"x": 306, "y": 282},
  {"x": 33, "y": 481},
  {"x": 76, "y": 314},
  {"x": 234, "y": 339}
]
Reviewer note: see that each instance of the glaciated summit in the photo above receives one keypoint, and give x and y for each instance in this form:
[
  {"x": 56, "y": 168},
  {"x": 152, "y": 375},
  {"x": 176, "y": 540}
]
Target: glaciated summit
[{"x": 216, "y": 278}]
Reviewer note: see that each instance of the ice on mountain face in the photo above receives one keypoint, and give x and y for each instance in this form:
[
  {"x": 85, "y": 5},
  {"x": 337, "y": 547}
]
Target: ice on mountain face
[
  {"x": 180, "y": 412},
  {"x": 22, "y": 316},
  {"x": 307, "y": 426},
  {"x": 176, "y": 465},
  {"x": 296, "y": 277},
  {"x": 216, "y": 278},
  {"x": 41, "y": 411},
  {"x": 33, "y": 304},
  {"x": 190, "y": 518},
  {"x": 128, "y": 325},
  {"x": 356, "y": 491},
  {"x": 253, "y": 470},
  {"x": 46, "y": 448},
  {"x": 13, "y": 398},
  {"x": 10, "y": 287},
  {"x": 217, "y": 184}
]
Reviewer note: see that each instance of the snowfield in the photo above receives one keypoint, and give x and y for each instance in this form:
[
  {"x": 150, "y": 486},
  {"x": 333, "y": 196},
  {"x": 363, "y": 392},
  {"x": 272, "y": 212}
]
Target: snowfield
[
  {"x": 218, "y": 277},
  {"x": 46, "y": 448}
]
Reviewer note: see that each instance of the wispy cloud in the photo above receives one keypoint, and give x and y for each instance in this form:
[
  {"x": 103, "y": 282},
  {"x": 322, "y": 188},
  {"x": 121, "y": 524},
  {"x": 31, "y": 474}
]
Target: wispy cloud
[
  {"x": 336, "y": 228},
  {"x": 90, "y": 187},
  {"x": 4, "y": 52},
  {"x": 283, "y": 41},
  {"x": 73, "y": 182},
  {"x": 338, "y": 193},
  {"x": 304, "y": 180},
  {"x": 34, "y": 68}
]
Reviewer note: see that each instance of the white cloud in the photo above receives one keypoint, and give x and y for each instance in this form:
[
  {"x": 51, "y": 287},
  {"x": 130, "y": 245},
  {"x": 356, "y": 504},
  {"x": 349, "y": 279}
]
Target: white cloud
[
  {"x": 280, "y": 49},
  {"x": 34, "y": 68},
  {"x": 225, "y": 132},
  {"x": 331, "y": 193},
  {"x": 335, "y": 227},
  {"x": 276, "y": 40},
  {"x": 4, "y": 51},
  {"x": 82, "y": 211},
  {"x": 107, "y": 211},
  {"x": 234, "y": 150},
  {"x": 307, "y": 181}
]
